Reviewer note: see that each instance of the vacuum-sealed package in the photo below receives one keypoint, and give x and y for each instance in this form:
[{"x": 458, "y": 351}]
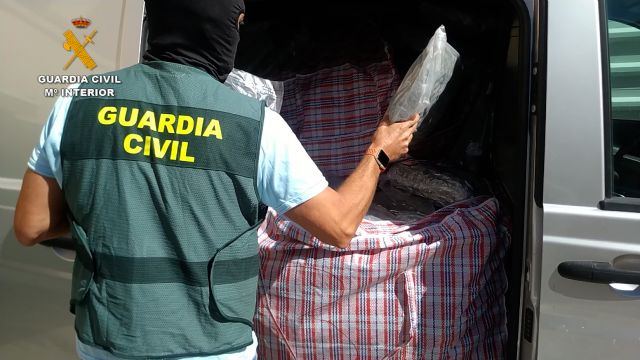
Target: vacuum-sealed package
[
  {"x": 425, "y": 80},
  {"x": 426, "y": 180},
  {"x": 256, "y": 87}
]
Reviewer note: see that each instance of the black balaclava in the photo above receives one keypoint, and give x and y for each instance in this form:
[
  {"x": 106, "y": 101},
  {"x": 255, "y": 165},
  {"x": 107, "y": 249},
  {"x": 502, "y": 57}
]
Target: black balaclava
[{"x": 199, "y": 33}]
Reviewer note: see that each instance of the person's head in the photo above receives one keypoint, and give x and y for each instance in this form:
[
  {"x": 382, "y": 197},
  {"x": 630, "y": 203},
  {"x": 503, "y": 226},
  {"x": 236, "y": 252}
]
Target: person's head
[{"x": 200, "y": 33}]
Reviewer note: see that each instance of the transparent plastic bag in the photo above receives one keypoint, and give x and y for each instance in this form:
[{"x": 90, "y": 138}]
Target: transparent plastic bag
[
  {"x": 256, "y": 87},
  {"x": 426, "y": 79}
]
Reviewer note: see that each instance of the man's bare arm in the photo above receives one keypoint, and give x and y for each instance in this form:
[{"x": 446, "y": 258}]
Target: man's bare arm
[
  {"x": 40, "y": 211},
  {"x": 333, "y": 216}
]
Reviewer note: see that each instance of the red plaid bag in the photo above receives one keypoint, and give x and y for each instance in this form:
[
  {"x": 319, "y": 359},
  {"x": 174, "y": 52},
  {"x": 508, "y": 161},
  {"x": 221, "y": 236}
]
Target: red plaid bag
[
  {"x": 430, "y": 289},
  {"x": 335, "y": 111}
]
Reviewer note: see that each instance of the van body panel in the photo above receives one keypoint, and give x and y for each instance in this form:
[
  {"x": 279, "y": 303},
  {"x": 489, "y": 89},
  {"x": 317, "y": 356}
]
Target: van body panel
[
  {"x": 35, "y": 282},
  {"x": 574, "y": 144},
  {"x": 580, "y": 319},
  {"x": 583, "y": 320}
]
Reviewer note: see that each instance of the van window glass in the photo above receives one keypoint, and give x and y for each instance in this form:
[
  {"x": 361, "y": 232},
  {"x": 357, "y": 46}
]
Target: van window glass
[{"x": 623, "y": 38}]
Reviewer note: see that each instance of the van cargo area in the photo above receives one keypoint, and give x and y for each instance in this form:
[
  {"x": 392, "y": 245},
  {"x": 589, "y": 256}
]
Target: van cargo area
[{"x": 478, "y": 129}]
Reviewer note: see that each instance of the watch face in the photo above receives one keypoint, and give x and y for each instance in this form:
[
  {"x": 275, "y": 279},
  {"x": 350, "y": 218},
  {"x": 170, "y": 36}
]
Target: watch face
[{"x": 383, "y": 158}]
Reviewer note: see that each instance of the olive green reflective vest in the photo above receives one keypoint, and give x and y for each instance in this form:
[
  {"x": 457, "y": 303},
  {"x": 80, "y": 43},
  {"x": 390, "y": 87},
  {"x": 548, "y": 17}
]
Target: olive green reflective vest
[{"x": 161, "y": 186}]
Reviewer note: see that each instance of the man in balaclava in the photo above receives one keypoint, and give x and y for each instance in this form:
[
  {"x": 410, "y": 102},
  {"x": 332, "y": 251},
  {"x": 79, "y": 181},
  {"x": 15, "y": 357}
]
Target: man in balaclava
[{"x": 162, "y": 187}]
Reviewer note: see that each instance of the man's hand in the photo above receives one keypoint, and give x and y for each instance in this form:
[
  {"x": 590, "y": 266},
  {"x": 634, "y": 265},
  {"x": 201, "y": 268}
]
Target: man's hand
[
  {"x": 334, "y": 215},
  {"x": 394, "y": 138}
]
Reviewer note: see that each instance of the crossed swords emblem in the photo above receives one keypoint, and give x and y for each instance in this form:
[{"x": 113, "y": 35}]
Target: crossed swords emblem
[{"x": 79, "y": 50}]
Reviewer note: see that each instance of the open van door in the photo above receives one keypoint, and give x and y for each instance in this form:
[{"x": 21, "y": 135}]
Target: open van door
[{"x": 590, "y": 264}]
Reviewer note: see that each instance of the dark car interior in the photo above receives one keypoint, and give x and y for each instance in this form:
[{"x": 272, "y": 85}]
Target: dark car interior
[{"x": 479, "y": 127}]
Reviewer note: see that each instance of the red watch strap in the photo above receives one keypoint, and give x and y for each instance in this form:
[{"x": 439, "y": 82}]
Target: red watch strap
[{"x": 373, "y": 151}]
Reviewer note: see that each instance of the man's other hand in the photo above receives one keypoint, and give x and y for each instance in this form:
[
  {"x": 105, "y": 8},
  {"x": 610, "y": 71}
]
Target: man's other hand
[{"x": 394, "y": 138}]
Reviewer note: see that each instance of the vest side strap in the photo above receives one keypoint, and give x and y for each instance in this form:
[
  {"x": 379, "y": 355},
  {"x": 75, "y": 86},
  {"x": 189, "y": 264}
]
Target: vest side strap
[{"x": 154, "y": 270}]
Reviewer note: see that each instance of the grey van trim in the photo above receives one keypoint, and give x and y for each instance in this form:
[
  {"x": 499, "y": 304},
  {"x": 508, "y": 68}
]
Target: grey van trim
[
  {"x": 620, "y": 204},
  {"x": 606, "y": 101},
  {"x": 539, "y": 91}
]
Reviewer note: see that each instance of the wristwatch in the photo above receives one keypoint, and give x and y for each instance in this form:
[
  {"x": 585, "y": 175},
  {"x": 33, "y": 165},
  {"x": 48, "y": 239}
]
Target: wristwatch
[{"x": 381, "y": 157}]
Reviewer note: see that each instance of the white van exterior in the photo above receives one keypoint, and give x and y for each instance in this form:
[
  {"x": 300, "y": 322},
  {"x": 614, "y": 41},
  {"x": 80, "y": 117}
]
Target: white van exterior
[{"x": 35, "y": 282}]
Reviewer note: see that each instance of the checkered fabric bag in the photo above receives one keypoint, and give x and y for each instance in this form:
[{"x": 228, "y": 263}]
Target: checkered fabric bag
[
  {"x": 335, "y": 111},
  {"x": 430, "y": 289}
]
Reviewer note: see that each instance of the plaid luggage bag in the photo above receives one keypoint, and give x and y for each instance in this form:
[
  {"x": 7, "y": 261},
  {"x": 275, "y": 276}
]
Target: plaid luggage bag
[{"x": 430, "y": 289}]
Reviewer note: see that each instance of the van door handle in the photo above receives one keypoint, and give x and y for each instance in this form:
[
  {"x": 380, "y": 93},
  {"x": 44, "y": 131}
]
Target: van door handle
[{"x": 597, "y": 272}]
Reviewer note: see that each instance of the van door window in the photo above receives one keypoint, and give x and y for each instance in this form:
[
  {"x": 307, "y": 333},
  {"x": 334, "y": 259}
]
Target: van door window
[{"x": 622, "y": 119}]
